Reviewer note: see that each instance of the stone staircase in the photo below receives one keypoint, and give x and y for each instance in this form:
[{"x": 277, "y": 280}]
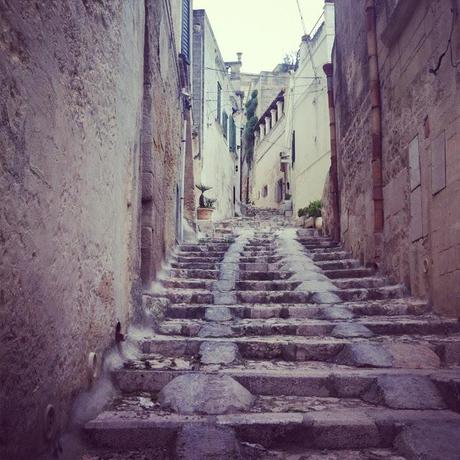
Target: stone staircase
[{"x": 277, "y": 345}]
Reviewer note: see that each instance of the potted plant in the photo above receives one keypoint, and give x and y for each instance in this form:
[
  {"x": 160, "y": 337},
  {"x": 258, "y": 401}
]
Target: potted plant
[
  {"x": 206, "y": 205},
  {"x": 314, "y": 211},
  {"x": 287, "y": 205}
]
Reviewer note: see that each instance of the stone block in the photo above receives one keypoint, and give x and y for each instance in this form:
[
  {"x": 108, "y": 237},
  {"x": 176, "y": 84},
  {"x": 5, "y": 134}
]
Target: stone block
[
  {"x": 205, "y": 394},
  {"x": 219, "y": 353},
  {"x": 416, "y": 225},
  {"x": 147, "y": 186}
]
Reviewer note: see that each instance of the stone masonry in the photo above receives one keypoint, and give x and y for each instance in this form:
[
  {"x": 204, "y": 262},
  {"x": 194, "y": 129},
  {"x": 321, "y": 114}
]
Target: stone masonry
[{"x": 277, "y": 344}]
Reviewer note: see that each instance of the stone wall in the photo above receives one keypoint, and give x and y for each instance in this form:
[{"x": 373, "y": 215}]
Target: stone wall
[
  {"x": 421, "y": 129},
  {"x": 71, "y": 95}
]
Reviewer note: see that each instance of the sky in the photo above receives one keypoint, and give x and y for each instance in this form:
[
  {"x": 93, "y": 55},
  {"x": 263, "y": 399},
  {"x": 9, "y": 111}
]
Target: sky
[{"x": 263, "y": 30}]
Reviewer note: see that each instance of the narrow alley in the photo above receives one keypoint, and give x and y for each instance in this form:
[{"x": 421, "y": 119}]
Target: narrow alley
[{"x": 230, "y": 230}]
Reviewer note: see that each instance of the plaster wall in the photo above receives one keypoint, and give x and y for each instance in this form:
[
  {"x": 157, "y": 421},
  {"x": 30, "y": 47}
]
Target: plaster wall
[
  {"x": 217, "y": 165},
  {"x": 308, "y": 115},
  {"x": 267, "y": 170}
]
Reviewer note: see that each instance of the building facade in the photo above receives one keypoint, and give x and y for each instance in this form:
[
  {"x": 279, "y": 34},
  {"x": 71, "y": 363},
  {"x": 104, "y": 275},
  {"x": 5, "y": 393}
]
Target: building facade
[
  {"x": 215, "y": 109},
  {"x": 397, "y": 101},
  {"x": 307, "y": 132},
  {"x": 91, "y": 182}
]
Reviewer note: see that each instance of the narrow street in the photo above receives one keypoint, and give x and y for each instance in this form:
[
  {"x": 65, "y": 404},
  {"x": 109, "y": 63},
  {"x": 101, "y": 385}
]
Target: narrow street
[
  {"x": 230, "y": 230},
  {"x": 277, "y": 344}
]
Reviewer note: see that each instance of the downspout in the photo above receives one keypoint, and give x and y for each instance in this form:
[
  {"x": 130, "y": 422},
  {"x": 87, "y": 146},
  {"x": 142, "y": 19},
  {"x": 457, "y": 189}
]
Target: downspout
[
  {"x": 376, "y": 121},
  {"x": 336, "y": 233}
]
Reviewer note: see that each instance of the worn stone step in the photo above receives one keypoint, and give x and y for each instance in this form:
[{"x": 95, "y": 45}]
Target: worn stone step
[
  {"x": 383, "y": 351},
  {"x": 378, "y": 293},
  {"x": 336, "y": 255},
  {"x": 208, "y": 253},
  {"x": 195, "y": 265},
  {"x": 335, "y": 428},
  {"x": 345, "y": 273},
  {"x": 264, "y": 275},
  {"x": 385, "y": 308},
  {"x": 188, "y": 295},
  {"x": 273, "y": 296},
  {"x": 338, "y": 264},
  {"x": 152, "y": 373},
  {"x": 221, "y": 247},
  {"x": 260, "y": 259},
  {"x": 360, "y": 283},
  {"x": 263, "y": 285},
  {"x": 181, "y": 283},
  {"x": 194, "y": 273},
  {"x": 362, "y": 327},
  {"x": 201, "y": 259}
]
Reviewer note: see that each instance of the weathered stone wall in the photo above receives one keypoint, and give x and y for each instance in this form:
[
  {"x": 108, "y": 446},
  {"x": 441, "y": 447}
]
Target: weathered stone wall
[
  {"x": 421, "y": 153},
  {"x": 73, "y": 153},
  {"x": 161, "y": 140}
]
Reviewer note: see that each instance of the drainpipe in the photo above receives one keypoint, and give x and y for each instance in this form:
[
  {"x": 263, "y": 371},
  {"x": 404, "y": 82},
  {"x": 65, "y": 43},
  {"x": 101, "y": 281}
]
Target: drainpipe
[
  {"x": 328, "y": 70},
  {"x": 376, "y": 118}
]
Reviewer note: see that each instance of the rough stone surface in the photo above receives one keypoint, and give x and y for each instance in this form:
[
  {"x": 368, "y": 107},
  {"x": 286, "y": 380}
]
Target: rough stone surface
[
  {"x": 218, "y": 314},
  {"x": 365, "y": 354},
  {"x": 218, "y": 353},
  {"x": 428, "y": 441},
  {"x": 205, "y": 394},
  {"x": 215, "y": 330},
  {"x": 404, "y": 392},
  {"x": 351, "y": 330},
  {"x": 413, "y": 356},
  {"x": 199, "y": 442}
]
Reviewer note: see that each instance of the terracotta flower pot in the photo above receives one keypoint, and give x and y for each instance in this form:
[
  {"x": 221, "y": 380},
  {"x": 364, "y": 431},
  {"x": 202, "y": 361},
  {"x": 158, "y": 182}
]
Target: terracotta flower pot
[
  {"x": 319, "y": 223},
  {"x": 204, "y": 213}
]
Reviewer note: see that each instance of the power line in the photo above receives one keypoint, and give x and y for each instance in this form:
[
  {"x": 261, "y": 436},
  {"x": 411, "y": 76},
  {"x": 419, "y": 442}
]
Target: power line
[{"x": 301, "y": 18}]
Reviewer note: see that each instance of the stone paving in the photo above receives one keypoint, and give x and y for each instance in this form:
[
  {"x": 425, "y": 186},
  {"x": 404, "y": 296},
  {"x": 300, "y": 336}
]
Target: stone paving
[{"x": 274, "y": 343}]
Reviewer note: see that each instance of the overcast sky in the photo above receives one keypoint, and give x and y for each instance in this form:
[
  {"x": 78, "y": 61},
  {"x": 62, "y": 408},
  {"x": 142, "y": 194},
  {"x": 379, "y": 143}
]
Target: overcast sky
[{"x": 263, "y": 30}]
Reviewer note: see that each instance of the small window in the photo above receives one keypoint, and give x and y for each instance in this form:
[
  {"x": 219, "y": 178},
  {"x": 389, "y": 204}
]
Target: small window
[
  {"x": 232, "y": 136},
  {"x": 293, "y": 148},
  {"x": 225, "y": 124},
  {"x": 265, "y": 191}
]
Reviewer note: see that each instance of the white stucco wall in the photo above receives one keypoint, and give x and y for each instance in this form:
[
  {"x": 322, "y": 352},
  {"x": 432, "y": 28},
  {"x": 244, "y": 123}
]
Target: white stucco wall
[
  {"x": 218, "y": 163},
  {"x": 308, "y": 115}
]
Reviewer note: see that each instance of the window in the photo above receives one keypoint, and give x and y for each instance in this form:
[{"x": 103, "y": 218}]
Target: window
[
  {"x": 219, "y": 102},
  {"x": 185, "y": 38},
  {"x": 265, "y": 191},
  {"x": 293, "y": 148},
  {"x": 232, "y": 136},
  {"x": 225, "y": 124}
]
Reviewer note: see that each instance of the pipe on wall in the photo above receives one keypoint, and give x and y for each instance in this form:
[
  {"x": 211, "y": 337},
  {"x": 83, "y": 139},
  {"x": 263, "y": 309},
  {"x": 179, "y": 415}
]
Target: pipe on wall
[
  {"x": 328, "y": 70},
  {"x": 376, "y": 117}
]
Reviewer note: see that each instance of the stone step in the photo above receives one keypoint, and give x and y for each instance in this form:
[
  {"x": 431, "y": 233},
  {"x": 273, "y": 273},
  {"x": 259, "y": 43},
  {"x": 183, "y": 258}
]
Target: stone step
[
  {"x": 273, "y": 297},
  {"x": 360, "y": 283},
  {"x": 208, "y": 253},
  {"x": 181, "y": 283},
  {"x": 195, "y": 265},
  {"x": 383, "y": 351},
  {"x": 326, "y": 245},
  {"x": 362, "y": 327},
  {"x": 345, "y": 273},
  {"x": 357, "y": 427},
  {"x": 264, "y": 275},
  {"x": 338, "y": 264},
  {"x": 323, "y": 256},
  {"x": 222, "y": 247},
  {"x": 255, "y": 285},
  {"x": 151, "y": 374},
  {"x": 391, "y": 307},
  {"x": 193, "y": 259},
  {"x": 194, "y": 273},
  {"x": 188, "y": 296},
  {"x": 378, "y": 293},
  {"x": 260, "y": 259},
  {"x": 322, "y": 250}
]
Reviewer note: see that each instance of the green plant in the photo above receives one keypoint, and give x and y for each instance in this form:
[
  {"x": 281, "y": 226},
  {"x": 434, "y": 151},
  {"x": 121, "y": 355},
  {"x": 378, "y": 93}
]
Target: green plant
[
  {"x": 202, "y": 200},
  {"x": 302, "y": 212},
  {"x": 209, "y": 203},
  {"x": 314, "y": 208},
  {"x": 250, "y": 127}
]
